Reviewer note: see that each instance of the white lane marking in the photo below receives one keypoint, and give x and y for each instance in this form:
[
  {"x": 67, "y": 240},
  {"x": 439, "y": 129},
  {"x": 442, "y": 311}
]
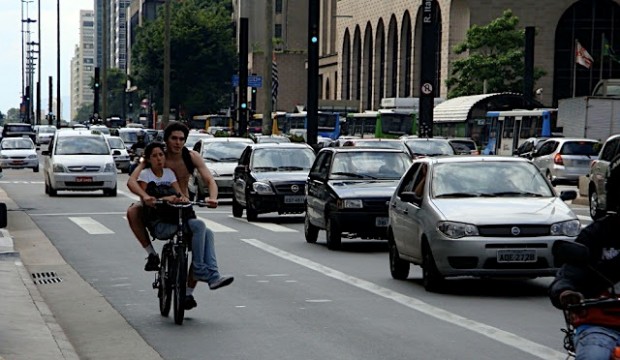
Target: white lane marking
[
  {"x": 70, "y": 214},
  {"x": 21, "y": 182},
  {"x": 216, "y": 227},
  {"x": 267, "y": 226},
  {"x": 491, "y": 332},
  {"x": 91, "y": 226}
]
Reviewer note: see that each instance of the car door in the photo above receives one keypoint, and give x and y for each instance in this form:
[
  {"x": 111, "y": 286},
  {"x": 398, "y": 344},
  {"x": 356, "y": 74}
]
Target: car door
[
  {"x": 400, "y": 221},
  {"x": 543, "y": 158},
  {"x": 240, "y": 176},
  {"x": 600, "y": 169},
  {"x": 317, "y": 186}
]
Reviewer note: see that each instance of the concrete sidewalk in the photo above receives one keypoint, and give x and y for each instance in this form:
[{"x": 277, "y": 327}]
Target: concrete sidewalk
[{"x": 28, "y": 329}]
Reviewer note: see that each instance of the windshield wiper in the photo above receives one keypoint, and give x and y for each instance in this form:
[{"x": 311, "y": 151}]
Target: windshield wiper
[
  {"x": 458, "y": 195},
  {"x": 348, "y": 174},
  {"x": 212, "y": 159},
  {"x": 229, "y": 159},
  {"x": 514, "y": 193},
  {"x": 290, "y": 168},
  {"x": 265, "y": 168}
]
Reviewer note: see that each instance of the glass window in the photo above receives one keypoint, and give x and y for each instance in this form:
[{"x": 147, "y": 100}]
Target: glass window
[
  {"x": 278, "y": 6},
  {"x": 278, "y": 31},
  {"x": 610, "y": 150},
  {"x": 580, "y": 148}
]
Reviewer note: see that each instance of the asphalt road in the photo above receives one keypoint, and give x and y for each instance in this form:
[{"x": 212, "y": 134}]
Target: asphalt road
[{"x": 290, "y": 299}]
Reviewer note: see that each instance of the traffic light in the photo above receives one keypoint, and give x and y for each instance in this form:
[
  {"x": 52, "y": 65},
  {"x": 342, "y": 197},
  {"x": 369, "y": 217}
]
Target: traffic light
[
  {"x": 96, "y": 91},
  {"x": 253, "y": 100}
]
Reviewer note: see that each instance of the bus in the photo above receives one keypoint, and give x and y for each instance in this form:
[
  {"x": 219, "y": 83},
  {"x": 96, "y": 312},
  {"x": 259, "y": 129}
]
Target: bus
[
  {"x": 255, "y": 124},
  {"x": 296, "y": 123},
  {"x": 385, "y": 123},
  {"x": 212, "y": 123},
  {"x": 509, "y": 129}
]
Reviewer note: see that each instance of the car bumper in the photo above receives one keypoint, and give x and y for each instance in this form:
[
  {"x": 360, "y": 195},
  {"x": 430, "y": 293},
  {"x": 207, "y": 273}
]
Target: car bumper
[
  {"x": 363, "y": 224},
  {"x": 83, "y": 181},
  {"x": 569, "y": 173},
  {"x": 19, "y": 164},
  {"x": 122, "y": 164},
  {"x": 282, "y": 204},
  {"x": 480, "y": 256}
]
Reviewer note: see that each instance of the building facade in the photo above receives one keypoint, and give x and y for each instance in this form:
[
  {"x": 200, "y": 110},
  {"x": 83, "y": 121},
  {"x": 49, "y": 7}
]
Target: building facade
[
  {"x": 83, "y": 63},
  {"x": 118, "y": 33},
  {"x": 136, "y": 14},
  {"x": 379, "y": 45}
]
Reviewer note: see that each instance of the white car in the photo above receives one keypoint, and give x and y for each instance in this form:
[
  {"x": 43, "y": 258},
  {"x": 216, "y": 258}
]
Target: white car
[
  {"x": 44, "y": 134},
  {"x": 119, "y": 153},
  {"x": 79, "y": 160},
  {"x": 18, "y": 153}
]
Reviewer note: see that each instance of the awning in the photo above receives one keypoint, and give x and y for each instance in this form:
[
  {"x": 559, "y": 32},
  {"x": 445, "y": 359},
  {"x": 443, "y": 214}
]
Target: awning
[{"x": 458, "y": 109}]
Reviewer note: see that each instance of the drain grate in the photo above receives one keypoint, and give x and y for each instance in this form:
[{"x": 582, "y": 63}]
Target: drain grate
[{"x": 48, "y": 277}]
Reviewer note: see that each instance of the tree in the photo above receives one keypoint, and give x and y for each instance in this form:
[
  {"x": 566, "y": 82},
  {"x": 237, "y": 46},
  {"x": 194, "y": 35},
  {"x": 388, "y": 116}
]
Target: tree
[
  {"x": 202, "y": 56},
  {"x": 495, "y": 54},
  {"x": 116, "y": 84},
  {"x": 84, "y": 113},
  {"x": 12, "y": 115}
]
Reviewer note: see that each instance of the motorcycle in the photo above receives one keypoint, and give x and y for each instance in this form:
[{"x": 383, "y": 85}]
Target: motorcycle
[{"x": 136, "y": 158}]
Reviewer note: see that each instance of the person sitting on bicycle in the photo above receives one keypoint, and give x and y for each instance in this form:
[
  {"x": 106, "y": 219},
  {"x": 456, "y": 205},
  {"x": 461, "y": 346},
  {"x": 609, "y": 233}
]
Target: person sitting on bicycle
[
  {"x": 573, "y": 284},
  {"x": 182, "y": 162}
]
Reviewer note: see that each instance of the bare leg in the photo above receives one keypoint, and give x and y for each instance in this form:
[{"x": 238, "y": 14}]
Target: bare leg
[{"x": 134, "y": 217}]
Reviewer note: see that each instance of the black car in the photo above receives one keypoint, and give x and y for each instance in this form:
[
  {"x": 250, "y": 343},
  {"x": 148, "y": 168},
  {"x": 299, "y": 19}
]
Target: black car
[
  {"x": 19, "y": 130},
  {"x": 349, "y": 190},
  {"x": 529, "y": 147},
  {"x": 271, "y": 177}
]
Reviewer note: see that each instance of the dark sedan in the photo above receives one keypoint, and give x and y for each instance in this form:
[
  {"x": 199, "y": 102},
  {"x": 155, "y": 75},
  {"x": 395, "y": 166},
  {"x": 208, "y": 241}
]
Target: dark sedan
[
  {"x": 271, "y": 177},
  {"x": 349, "y": 190}
]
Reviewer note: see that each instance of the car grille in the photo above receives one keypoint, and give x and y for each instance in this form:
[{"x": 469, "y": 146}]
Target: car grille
[
  {"x": 376, "y": 204},
  {"x": 507, "y": 230},
  {"x": 85, "y": 168},
  {"x": 285, "y": 189},
  {"x": 84, "y": 184},
  {"x": 17, "y": 157}
]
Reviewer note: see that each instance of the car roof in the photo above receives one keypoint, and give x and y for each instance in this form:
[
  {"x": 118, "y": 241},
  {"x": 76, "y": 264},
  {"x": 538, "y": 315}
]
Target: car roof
[
  {"x": 280, "y": 145},
  {"x": 227, "y": 139},
  {"x": 78, "y": 132},
  {"x": 361, "y": 149},
  {"x": 563, "y": 139},
  {"x": 472, "y": 159}
]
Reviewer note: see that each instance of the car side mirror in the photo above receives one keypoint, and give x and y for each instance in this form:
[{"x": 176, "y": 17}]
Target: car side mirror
[
  {"x": 116, "y": 152},
  {"x": 240, "y": 168},
  {"x": 570, "y": 252},
  {"x": 568, "y": 195},
  {"x": 410, "y": 197},
  {"x": 45, "y": 152}
]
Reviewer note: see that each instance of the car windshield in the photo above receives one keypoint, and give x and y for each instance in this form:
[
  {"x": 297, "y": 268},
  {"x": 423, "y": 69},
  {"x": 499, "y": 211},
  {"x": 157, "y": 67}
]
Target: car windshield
[
  {"x": 379, "y": 144},
  {"x": 192, "y": 139},
  {"x": 272, "y": 139},
  {"x": 488, "y": 179},
  {"x": 19, "y": 128},
  {"x": 47, "y": 130},
  {"x": 102, "y": 129},
  {"x": 282, "y": 159},
  {"x": 224, "y": 151},
  {"x": 429, "y": 147},
  {"x": 116, "y": 143},
  {"x": 14, "y": 144},
  {"x": 460, "y": 144},
  {"x": 129, "y": 137},
  {"x": 588, "y": 148},
  {"x": 369, "y": 165},
  {"x": 81, "y": 145}
]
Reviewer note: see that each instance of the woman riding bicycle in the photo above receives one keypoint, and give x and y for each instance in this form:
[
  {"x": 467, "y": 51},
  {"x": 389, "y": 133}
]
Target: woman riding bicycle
[{"x": 575, "y": 283}]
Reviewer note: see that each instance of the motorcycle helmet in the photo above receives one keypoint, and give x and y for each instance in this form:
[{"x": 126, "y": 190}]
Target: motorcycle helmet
[{"x": 612, "y": 185}]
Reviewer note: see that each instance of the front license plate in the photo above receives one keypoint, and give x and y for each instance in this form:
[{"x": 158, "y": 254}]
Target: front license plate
[
  {"x": 84, "y": 179},
  {"x": 382, "y": 222},
  {"x": 516, "y": 256},
  {"x": 294, "y": 199},
  {"x": 17, "y": 162}
]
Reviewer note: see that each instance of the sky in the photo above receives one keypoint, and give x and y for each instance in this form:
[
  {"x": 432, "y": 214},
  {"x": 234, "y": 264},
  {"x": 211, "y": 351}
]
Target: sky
[{"x": 11, "y": 45}]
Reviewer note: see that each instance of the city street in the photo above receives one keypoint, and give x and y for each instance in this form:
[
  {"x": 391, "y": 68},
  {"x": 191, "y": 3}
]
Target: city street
[{"x": 289, "y": 300}]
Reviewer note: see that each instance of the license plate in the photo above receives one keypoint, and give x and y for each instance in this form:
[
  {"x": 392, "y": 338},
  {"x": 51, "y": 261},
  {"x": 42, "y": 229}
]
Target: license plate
[
  {"x": 516, "y": 256},
  {"x": 382, "y": 221},
  {"x": 294, "y": 199},
  {"x": 84, "y": 179},
  {"x": 17, "y": 162}
]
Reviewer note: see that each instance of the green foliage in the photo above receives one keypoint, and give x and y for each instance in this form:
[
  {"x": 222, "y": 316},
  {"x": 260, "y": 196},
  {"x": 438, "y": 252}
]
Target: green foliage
[
  {"x": 495, "y": 53},
  {"x": 203, "y": 56},
  {"x": 84, "y": 113},
  {"x": 12, "y": 115}
]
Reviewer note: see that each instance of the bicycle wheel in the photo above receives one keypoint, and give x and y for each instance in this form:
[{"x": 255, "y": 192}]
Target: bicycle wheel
[
  {"x": 180, "y": 284},
  {"x": 165, "y": 283}
]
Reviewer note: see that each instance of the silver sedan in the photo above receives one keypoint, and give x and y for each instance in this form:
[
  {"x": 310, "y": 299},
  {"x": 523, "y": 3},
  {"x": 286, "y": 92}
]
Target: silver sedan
[{"x": 476, "y": 216}]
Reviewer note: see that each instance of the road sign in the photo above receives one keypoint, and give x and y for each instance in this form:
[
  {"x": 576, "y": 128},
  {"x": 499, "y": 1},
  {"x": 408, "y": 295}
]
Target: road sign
[
  {"x": 427, "y": 88},
  {"x": 253, "y": 81}
]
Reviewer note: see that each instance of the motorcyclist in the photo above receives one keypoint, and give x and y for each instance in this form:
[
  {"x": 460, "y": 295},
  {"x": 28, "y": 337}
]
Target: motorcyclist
[
  {"x": 137, "y": 149},
  {"x": 573, "y": 284}
]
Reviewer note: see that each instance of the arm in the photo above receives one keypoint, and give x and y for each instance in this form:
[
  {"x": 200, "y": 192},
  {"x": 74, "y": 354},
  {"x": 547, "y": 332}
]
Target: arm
[
  {"x": 207, "y": 178},
  {"x": 135, "y": 187}
]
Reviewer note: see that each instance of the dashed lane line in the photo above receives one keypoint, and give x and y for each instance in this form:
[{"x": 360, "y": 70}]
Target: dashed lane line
[{"x": 90, "y": 225}]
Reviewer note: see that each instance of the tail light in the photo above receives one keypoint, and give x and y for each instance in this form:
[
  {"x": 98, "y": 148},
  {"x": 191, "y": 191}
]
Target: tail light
[{"x": 557, "y": 159}]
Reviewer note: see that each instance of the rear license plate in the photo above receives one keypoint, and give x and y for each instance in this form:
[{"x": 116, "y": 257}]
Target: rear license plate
[
  {"x": 84, "y": 179},
  {"x": 516, "y": 256},
  {"x": 382, "y": 221},
  {"x": 294, "y": 199}
]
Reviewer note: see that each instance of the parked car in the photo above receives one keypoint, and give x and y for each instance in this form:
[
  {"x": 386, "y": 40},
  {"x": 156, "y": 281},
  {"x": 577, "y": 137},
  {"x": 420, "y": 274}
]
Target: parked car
[
  {"x": 464, "y": 146},
  {"x": 498, "y": 217},
  {"x": 271, "y": 177},
  {"x": 44, "y": 134},
  {"x": 599, "y": 170},
  {"x": 422, "y": 147},
  {"x": 119, "y": 153},
  {"x": 221, "y": 154},
  {"x": 529, "y": 147},
  {"x": 348, "y": 192},
  {"x": 18, "y": 153},
  {"x": 566, "y": 159},
  {"x": 79, "y": 160}
]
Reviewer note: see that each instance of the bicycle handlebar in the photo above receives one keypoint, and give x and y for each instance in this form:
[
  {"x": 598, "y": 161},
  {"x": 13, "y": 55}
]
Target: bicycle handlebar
[
  {"x": 589, "y": 303},
  {"x": 182, "y": 204}
]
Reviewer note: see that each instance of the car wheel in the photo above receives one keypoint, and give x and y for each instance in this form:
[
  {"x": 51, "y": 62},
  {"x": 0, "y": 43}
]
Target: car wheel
[
  {"x": 52, "y": 191},
  {"x": 237, "y": 209},
  {"x": 333, "y": 235},
  {"x": 36, "y": 169},
  {"x": 251, "y": 213},
  {"x": 595, "y": 212},
  {"x": 310, "y": 231},
  {"x": 431, "y": 277},
  {"x": 398, "y": 267},
  {"x": 110, "y": 192}
]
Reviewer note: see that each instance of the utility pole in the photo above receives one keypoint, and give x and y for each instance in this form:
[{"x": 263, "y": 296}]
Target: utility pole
[
  {"x": 166, "y": 112},
  {"x": 38, "y": 116},
  {"x": 58, "y": 114},
  {"x": 312, "y": 105},
  {"x": 104, "y": 65},
  {"x": 267, "y": 100}
]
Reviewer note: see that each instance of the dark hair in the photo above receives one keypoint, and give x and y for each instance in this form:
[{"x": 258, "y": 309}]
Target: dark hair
[
  {"x": 148, "y": 150},
  {"x": 175, "y": 126},
  {"x": 612, "y": 185}
]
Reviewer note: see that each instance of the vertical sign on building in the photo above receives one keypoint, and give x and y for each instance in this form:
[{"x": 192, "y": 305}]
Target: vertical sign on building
[{"x": 428, "y": 66}]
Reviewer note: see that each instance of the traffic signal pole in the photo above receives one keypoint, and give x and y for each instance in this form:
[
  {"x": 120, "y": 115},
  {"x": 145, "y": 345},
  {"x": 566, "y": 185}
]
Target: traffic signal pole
[
  {"x": 242, "y": 112},
  {"x": 312, "y": 105}
]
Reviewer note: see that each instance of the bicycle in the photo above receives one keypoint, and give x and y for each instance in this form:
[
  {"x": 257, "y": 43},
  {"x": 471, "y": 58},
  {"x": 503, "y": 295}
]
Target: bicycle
[{"x": 173, "y": 268}]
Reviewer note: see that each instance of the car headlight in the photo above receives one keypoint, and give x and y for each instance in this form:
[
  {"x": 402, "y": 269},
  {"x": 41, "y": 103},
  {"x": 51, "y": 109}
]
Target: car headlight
[
  {"x": 350, "y": 204},
  {"x": 456, "y": 230},
  {"x": 32, "y": 156},
  {"x": 109, "y": 167},
  {"x": 58, "y": 168},
  {"x": 262, "y": 188},
  {"x": 566, "y": 228}
]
